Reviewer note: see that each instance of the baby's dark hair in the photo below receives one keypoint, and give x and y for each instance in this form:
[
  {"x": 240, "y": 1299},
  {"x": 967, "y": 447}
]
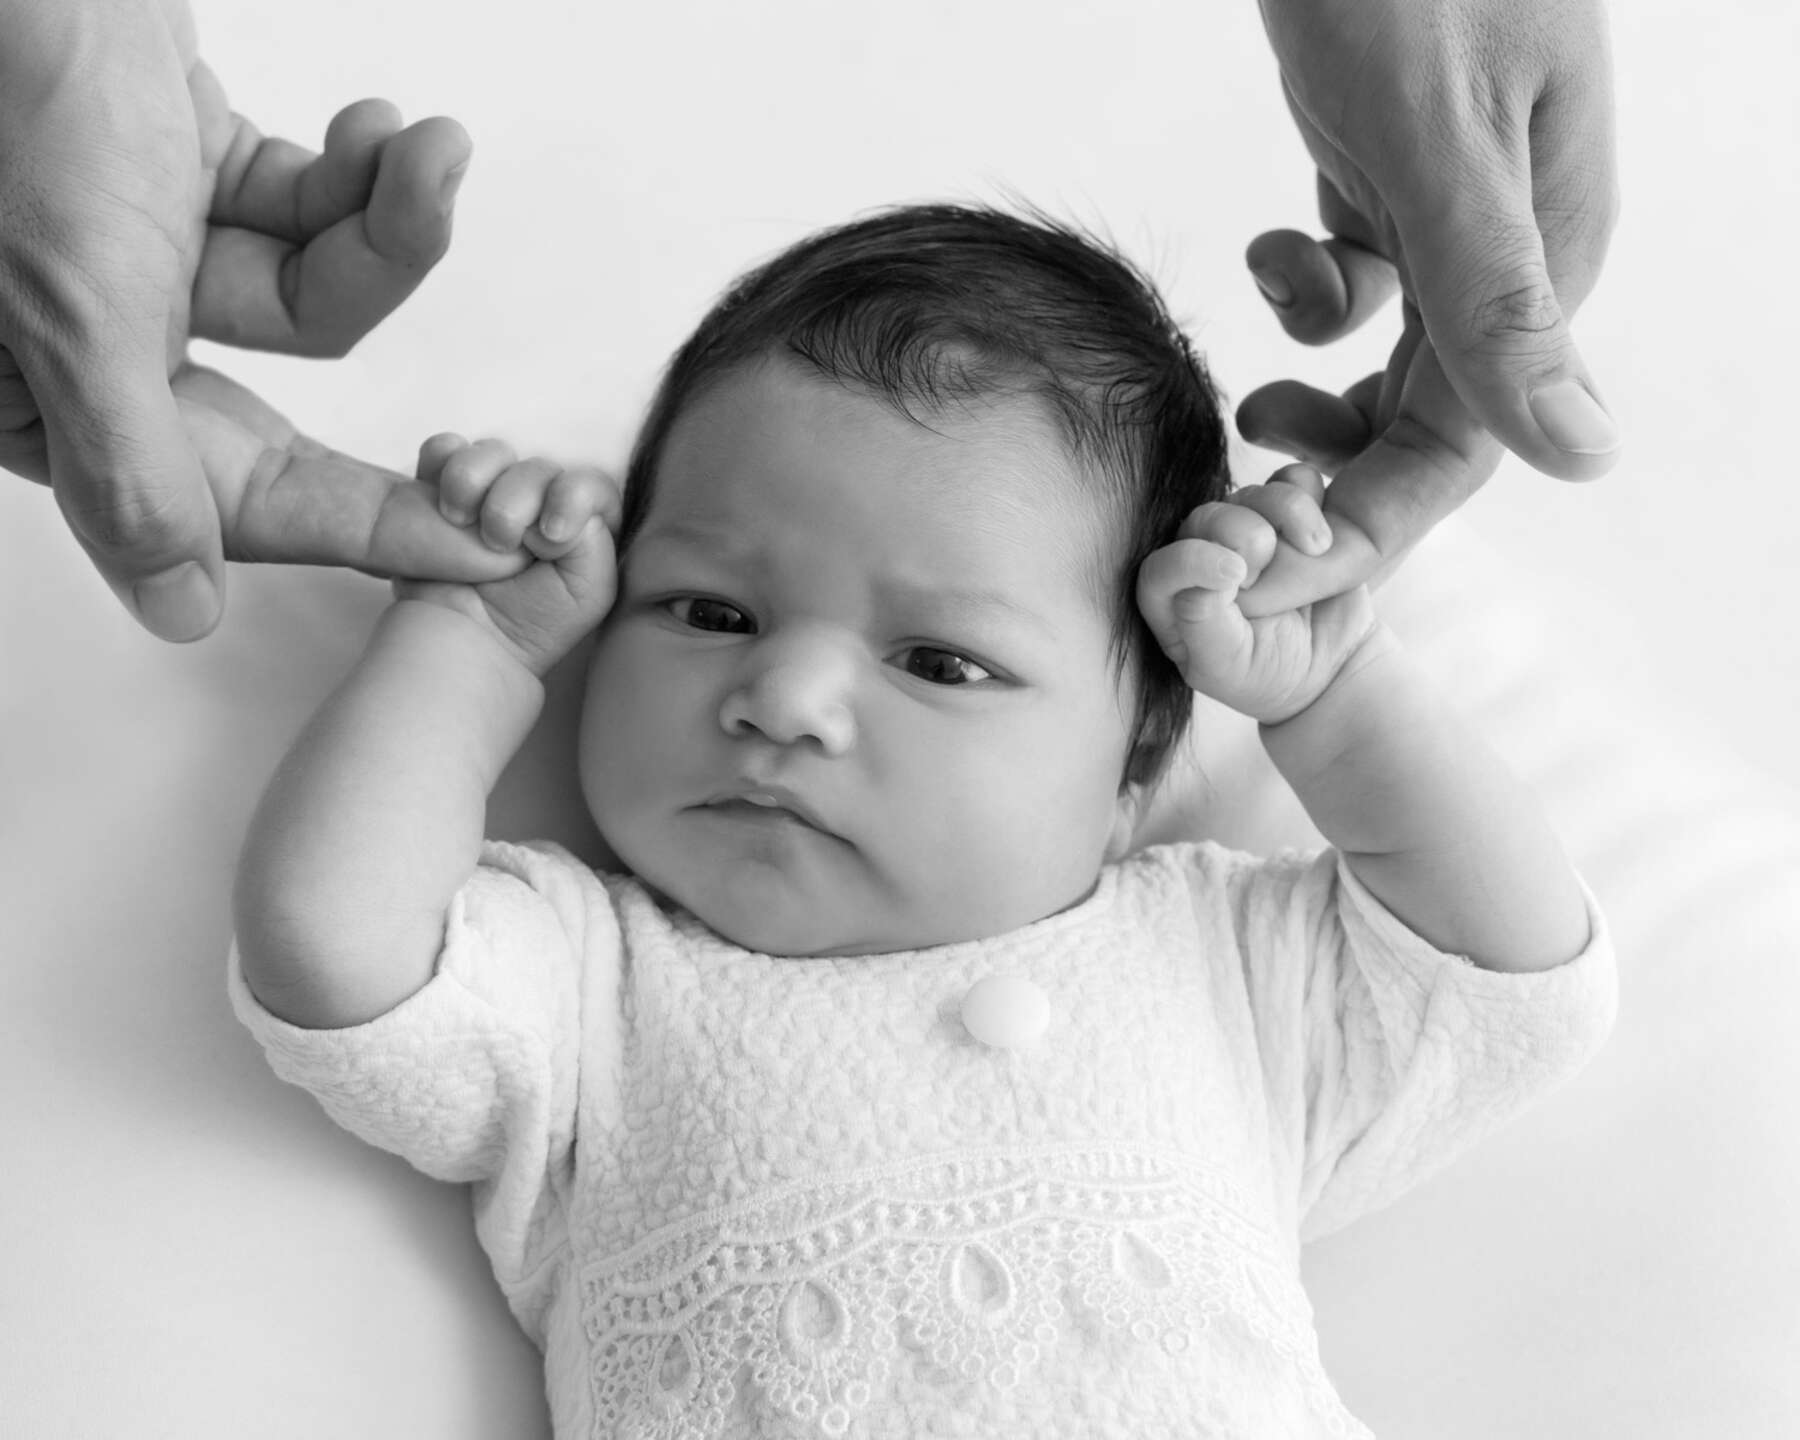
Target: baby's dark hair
[{"x": 935, "y": 305}]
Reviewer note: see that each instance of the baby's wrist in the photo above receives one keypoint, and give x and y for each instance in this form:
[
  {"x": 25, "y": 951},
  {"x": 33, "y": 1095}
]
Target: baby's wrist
[
  {"x": 453, "y": 637},
  {"x": 462, "y": 601},
  {"x": 1357, "y": 675}
]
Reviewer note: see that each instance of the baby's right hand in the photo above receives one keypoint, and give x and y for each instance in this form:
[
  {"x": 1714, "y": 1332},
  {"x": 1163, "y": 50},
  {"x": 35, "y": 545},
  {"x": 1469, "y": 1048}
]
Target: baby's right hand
[{"x": 564, "y": 518}]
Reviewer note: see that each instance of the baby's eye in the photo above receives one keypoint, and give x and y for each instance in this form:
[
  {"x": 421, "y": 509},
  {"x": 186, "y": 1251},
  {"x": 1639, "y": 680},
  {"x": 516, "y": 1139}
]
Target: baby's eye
[
  {"x": 705, "y": 614},
  {"x": 943, "y": 667}
]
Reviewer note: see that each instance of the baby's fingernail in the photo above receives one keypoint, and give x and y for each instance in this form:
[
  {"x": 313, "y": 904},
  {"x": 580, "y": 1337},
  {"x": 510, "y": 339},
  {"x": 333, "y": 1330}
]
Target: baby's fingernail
[
  {"x": 1318, "y": 540},
  {"x": 452, "y": 183},
  {"x": 1189, "y": 604},
  {"x": 1275, "y": 288},
  {"x": 1573, "y": 419},
  {"x": 555, "y": 528}
]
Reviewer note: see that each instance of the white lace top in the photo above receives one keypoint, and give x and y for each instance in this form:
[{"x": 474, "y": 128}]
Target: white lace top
[{"x": 734, "y": 1195}]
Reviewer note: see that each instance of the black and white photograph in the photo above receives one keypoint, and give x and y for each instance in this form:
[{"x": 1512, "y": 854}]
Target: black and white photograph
[{"x": 805, "y": 721}]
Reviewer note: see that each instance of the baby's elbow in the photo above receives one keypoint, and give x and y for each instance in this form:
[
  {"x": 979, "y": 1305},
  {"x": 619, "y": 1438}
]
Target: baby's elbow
[
  {"x": 274, "y": 949},
  {"x": 307, "y": 968}
]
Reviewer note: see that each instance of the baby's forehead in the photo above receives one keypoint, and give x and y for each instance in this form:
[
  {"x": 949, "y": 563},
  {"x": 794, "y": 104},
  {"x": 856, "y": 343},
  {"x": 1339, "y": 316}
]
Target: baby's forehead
[{"x": 975, "y": 477}]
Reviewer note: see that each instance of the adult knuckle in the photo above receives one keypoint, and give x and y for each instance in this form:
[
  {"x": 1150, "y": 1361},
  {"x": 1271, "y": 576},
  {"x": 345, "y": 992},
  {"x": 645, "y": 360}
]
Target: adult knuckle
[
  {"x": 121, "y": 519},
  {"x": 55, "y": 310},
  {"x": 18, "y": 406},
  {"x": 1528, "y": 309},
  {"x": 1421, "y": 440},
  {"x": 1505, "y": 322}
]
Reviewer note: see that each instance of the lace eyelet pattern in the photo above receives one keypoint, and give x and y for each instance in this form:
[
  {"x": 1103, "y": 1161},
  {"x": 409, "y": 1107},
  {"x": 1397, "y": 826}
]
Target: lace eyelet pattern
[{"x": 819, "y": 1307}]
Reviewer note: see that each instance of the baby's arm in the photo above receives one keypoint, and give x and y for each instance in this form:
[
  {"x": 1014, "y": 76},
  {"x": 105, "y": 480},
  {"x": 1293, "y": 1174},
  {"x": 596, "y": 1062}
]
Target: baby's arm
[
  {"x": 374, "y": 820},
  {"x": 1423, "y": 811}
]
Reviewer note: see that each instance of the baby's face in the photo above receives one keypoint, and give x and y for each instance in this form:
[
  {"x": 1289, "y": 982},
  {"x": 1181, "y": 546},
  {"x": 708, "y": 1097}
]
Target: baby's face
[{"x": 892, "y": 633}]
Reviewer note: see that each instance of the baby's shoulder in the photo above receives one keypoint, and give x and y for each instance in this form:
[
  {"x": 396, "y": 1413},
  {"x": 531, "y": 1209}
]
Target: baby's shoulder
[
  {"x": 1209, "y": 864},
  {"x": 512, "y": 875},
  {"x": 1224, "y": 887}
]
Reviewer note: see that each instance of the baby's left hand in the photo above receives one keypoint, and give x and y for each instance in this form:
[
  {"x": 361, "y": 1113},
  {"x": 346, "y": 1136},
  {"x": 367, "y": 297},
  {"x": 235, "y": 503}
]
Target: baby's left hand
[{"x": 1269, "y": 668}]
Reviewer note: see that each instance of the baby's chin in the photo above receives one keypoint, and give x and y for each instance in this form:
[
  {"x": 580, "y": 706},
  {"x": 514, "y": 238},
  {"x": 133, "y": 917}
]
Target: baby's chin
[
  {"x": 765, "y": 930},
  {"x": 803, "y": 898},
  {"x": 801, "y": 932}
]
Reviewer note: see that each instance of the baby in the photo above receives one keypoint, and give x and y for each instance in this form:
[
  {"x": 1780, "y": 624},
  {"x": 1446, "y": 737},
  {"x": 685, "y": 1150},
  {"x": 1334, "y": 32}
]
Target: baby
[{"x": 885, "y": 1091}]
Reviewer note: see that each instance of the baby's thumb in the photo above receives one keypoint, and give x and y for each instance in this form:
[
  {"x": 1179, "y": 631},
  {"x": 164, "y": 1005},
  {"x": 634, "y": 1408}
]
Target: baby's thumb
[
  {"x": 1187, "y": 594},
  {"x": 1483, "y": 288},
  {"x": 592, "y": 568},
  {"x": 132, "y": 490}
]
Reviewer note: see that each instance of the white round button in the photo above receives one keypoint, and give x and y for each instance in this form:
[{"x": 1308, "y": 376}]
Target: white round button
[{"x": 1008, "y": 1012}]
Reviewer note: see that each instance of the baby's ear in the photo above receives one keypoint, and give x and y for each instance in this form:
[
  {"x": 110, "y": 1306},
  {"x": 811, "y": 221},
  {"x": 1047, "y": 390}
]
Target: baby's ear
[{"x": 1128, "y": 810}]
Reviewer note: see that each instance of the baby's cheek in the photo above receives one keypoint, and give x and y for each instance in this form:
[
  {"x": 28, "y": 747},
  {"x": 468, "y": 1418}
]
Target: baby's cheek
[
  {"x": 612, "y": 738},
  {"x": 1027, "y": 839}
]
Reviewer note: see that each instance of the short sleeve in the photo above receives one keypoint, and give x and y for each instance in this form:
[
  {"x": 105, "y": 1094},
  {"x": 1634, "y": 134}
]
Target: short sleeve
[
  {"x": 1386, "y": 1058},
  {"x": 473, "y": 1077}
]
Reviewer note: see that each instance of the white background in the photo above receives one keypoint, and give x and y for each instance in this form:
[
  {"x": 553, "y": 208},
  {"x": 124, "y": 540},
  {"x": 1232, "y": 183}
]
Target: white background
[
  {"x": 630, "y": 161},
  {"x": 162, "y": 1196}
]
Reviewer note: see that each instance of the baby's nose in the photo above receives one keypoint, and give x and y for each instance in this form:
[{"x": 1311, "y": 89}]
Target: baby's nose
[{"x": 799, "y": 692}]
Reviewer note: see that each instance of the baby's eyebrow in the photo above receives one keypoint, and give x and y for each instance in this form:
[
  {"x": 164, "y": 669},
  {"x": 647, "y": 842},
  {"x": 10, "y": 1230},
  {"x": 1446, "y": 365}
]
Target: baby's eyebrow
[
  {"x": 931, "y": 601},
  {"x": 682, "y": 532},
  {"x": 961, "y": 603}
]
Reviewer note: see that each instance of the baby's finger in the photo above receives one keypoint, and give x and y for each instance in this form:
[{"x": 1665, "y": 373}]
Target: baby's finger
[
  {"x": 589, "y": 569},
  {"x": 464, "y": 479},
  {"x": 1187, "y": 594},
  {"x": 1302, "y": 477},
  {"x": 514, "y": 502},
  {"x": 434, "y": 452},
  {"x": 1290, "y": 502},
  {"x": 1237, "y": 528},
  {"x": 575, "y": 495}
]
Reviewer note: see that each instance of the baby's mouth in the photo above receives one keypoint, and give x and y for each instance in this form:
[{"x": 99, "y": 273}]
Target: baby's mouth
[
  {"x": 768, "y": 805},
  {"x": 750, "y": 806}
]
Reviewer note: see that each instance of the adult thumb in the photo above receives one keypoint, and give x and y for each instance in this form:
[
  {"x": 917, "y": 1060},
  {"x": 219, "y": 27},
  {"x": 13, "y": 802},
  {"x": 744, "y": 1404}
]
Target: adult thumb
[
  {"x": 1493, "y": 315},
  {"x": 132, "y": 490}
]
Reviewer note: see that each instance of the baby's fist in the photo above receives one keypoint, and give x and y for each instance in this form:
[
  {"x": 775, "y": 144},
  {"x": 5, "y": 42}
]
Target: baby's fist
[
  {"x": 564, "y": 517},
  {"x": 532, "y": 503},
  {"x": 1269, "y": 668}
]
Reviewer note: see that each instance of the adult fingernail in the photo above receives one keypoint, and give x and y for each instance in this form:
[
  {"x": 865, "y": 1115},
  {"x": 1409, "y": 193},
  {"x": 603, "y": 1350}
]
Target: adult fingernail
[
  {"x": 1275, "y": 288},
  {"x": 179, "y": 604},
  {"x": 1574, "y": 419}
]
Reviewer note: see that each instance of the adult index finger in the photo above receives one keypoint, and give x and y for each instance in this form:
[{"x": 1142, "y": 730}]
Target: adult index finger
[
  {"x": 293, "y": 501},
  {"x": 1430, "y": 459}
]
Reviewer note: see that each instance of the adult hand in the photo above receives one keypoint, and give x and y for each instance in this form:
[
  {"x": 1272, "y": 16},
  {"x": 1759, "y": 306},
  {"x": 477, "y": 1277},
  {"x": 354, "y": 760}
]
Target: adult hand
[
  {"x": 1465, "y": 156},
  {"x": 280, "y": 496},
  {"x": 137, "y": 210}
]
